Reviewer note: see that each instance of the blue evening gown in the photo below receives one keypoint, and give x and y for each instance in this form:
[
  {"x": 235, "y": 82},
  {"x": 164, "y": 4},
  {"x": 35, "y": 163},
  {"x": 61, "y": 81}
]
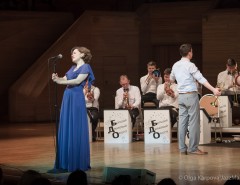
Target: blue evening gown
[{"x": 73, "y": 137}]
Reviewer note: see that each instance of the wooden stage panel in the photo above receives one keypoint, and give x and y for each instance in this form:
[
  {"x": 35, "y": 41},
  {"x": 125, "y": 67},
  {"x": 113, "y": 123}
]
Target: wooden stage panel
[{"x": 31, "y": 146}]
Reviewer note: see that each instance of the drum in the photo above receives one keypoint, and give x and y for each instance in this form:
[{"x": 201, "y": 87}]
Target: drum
[{"x": 210, "y": 103}]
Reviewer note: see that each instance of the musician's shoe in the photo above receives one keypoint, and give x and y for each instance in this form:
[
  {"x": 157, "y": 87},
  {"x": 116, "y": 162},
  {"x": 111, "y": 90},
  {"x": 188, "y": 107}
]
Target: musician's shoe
[
  {"x": 184, "y": 153},
  {"x": 198, "y": 152}
]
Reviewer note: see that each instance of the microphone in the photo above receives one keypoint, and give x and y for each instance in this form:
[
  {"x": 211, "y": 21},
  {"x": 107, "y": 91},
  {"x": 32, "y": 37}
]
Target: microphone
[{"x": 59, "y": 56}]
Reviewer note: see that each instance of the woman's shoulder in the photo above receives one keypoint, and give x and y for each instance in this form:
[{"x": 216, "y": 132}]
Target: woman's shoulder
[
  {"x": 73, "y": 66},
  {"x": 85, "y": 64}
]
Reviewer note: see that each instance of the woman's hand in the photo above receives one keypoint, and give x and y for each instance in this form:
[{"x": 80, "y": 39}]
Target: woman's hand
[{"x": 55, "y": 78}]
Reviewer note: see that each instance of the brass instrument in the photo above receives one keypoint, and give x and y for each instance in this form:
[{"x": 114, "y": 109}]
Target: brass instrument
[
  {"x": 126, "y": 98},
  {"x": 167, "y": 89},
  {"x": 156, "y": 72},
  {"x": 214, "y": 103},
  {"x": 235, "y": 83},
  {"x": 220, "y": 86},
  {"x": 89, "y": 93}
]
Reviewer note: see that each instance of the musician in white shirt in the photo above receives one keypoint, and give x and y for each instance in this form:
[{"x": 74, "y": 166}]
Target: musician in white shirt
[
  {"x": 128, "y": 97},
  {"x": 149, "y": 84},
  {"x": 92, "y": 95},
  {"x": 226, "y": 81},
  {"x": 167, "y": 95}
]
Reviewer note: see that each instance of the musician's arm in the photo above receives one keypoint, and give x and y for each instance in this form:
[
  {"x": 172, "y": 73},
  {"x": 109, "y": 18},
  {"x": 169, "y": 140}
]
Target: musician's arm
[
  {"x": 160, "y": 92},
  {"x": 137, "y": 97},
  {"x": 96, "y": 93},
  {"x": 118, "y": 99},
  {"x": 215, "y": 91},
  {"x": 64, "y": 81},
  {"x": 143, "y": 85}
]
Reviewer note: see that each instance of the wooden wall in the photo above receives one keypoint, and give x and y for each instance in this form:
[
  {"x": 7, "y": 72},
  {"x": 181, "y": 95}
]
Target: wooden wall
[
  {"x": 170, "y": 25},
  {"x": 24, "y": 36}
]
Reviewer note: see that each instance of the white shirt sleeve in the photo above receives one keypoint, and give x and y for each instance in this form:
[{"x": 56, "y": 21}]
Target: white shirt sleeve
[
  {"x": 119, "y": 99},
  {"x": 137, "y": 96}
]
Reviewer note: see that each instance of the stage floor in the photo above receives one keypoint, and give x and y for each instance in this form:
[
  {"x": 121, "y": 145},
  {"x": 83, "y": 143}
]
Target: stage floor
[{"x": 31, "y": 146}]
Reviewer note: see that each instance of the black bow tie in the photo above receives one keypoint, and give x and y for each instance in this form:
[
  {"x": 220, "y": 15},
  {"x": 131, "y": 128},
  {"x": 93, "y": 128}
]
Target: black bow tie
[{"x": 229, "y": 73}]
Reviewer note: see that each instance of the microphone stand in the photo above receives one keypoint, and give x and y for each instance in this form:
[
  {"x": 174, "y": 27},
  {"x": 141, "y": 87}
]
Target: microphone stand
[{"x": 56, "y": 116}]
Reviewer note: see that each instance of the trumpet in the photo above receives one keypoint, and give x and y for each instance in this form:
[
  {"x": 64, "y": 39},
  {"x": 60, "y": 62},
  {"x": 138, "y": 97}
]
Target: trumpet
[{"x": 155, "y": 73}]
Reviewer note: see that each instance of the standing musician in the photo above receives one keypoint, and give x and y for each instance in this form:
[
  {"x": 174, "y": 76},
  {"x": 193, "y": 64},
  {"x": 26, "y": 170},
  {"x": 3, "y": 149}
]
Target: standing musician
[
  {"x": 92, "y": 104},
  {"x": 167, "y": 95},
  {"x": 149, "y": 84},
  {"x": 226, "y": 82},
  {"x": 128, "y": 97},
  {"x": 186, "y": 73}
]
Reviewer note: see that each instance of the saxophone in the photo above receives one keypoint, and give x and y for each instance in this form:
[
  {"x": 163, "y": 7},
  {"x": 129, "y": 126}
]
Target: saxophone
[
  {"x": 89, "y": 93},
  {"x": 126, "y": 99}
]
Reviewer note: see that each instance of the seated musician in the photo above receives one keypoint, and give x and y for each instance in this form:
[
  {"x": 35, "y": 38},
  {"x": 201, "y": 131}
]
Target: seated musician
[
  {"x": 128, "y": 97},
  {"x": 149, "y": 84},
  {"x": 226, "y": 81},
  {"x": 167, "y": 95},
  {"x": 91, "y": 97}
]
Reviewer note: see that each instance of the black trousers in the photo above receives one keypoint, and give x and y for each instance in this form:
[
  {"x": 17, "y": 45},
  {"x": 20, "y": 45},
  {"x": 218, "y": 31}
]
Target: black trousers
[
  {"x": 173, "y": 113},
  {"x": 93, "y": 114},
  {"x": 133, "y": 114},
  {"x": 149, "y": 97}
]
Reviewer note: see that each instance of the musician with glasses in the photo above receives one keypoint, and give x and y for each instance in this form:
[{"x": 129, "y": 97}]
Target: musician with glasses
[
  {"x": 167, "y": 95},
  {"x": 149, "y": 84},
  {"x": 128, "y": 97},
  {"x": 92, "y": 95},
  {"x": 226, "y": 81}
]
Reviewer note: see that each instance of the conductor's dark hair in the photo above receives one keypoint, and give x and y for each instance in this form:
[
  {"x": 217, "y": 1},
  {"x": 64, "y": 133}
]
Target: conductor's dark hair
[{"x": 185, "y": 49}]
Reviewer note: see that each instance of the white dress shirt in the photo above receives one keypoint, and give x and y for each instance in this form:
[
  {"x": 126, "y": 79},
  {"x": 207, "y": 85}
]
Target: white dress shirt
[
  {"x": 164, "y": 99},
  {"x": 186, "y": 74},
  {"x": 151, "y": 86},
  {"x": 96, "y": 95},
  {"x": 134, "y": 97}
]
